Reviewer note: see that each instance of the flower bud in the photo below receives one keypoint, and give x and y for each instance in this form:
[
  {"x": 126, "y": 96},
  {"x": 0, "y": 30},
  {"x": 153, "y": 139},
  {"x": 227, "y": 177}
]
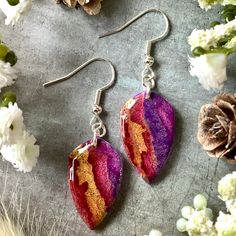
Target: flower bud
[
  {"x": 13, "y": 2},
  {"x": 200, "y": 202},
  {"x": 187, "y": 211},
  {"x": 181, "y": 225},
  {"x": 198, "y": 51}
]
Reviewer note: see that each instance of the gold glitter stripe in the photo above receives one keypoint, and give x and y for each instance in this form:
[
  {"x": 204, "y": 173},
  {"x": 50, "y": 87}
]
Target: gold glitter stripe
[
  {"x": 85, "y": 174},
  {"x": 136, "y": 134}
]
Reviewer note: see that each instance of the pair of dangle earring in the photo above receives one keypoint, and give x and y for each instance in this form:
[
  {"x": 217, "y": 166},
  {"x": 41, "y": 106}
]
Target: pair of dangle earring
[
  {"x": 147, "y": 126},
  {"x": 147, "y": 119},
  {"x": 95, "y": 167}
]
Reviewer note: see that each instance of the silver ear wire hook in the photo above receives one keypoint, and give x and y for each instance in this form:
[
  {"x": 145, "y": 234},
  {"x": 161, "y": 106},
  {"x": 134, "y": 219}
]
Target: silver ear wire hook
[
  {"x": 149, "y": 42},
  {"x": 147, "y": 74},
  {"x": 100, "y": 90},
  {"x": 98, "y": 128}
]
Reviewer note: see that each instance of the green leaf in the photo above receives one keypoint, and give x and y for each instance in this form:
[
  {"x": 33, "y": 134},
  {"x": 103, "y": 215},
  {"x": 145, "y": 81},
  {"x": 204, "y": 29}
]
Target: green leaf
[
  {"x": 11, "y": 58},
  {"x": 214, "y": 23},
  {"x": 228, "y": 13},
  {"x": 7, "y": 98},
  {"x": 10, "y": 95},
  {"x": 3, "y": 51}
]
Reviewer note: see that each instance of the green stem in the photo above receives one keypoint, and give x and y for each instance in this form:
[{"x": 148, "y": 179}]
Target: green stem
[{"x": 199, "y": 51}]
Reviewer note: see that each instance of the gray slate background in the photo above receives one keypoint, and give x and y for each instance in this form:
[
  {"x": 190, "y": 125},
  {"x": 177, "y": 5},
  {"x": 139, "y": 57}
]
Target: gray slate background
[{"x": 52, "y": 41}]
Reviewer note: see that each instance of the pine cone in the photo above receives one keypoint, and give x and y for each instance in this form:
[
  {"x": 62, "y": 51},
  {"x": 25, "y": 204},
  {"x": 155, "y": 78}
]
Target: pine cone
[
  {"x": 92, "y": 7},
  {"x": 217, "y": 127}
]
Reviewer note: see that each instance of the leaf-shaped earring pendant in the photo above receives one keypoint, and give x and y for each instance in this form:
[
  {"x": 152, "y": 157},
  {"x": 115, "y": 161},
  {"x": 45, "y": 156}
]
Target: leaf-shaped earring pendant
[
  {"x": 95, "y": 168},
  {"x": 95, "y": 176},
  {"x": 147, "y": 127},
  {"x": 147, "y": 120}
]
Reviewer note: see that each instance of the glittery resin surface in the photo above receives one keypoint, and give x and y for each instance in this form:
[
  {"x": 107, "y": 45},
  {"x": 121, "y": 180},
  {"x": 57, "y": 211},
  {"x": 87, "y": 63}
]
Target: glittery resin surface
[
  {"x": 147, "y": 127},
  {"x": 97, "y": 178}
]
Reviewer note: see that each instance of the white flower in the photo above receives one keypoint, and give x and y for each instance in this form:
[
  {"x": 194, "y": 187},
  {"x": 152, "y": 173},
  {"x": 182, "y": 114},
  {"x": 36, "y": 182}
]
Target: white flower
[
  {"x": 210, "y": 37},
  {"x": 231, "y": 206},
  {"x": 210, "y": 69},
  {"x": 17, "y": 146},
  {"x": 231, "y": 44},
  {"x": 207, "y": 4},
  {"x": 23, "y": 154},
  {"x": 226, "y": 225},
  {"x": 7, "y": 74},
  {"x": 199, "y": 223},
  {"x": 187, "y": 211},
  {"x": 227, "y": 187},
  {"x": 227, "y": 191},
  {"x": 155, "y": 232},
  {"x": 13, "y": 13},
  {"x": 11, "y": 124}
]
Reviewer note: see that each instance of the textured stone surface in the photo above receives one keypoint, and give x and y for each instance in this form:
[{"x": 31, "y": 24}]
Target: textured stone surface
[{"x": 52, "y": 41}]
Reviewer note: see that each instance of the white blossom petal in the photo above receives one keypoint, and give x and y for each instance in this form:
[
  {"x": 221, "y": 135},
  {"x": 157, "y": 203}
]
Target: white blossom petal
[
  {"x": 226, "y": 224},
  {"x": 227, "y": 191},
  {"x": 13, "y": 13},
  {"x": 7, "y": 74},
  {"x": 23, "y": 154},
  {"x": 11, "y": 124},
  {"x": 227, "y": 187},
  {"x": 200, "y": 224},
  {"x": 155, "y": 232},
  {"x": 231, "y": 206},
  {"x": 207, "y": 4},
  {"x": 210, "y": 70},
  {"x": 210, "y": 37}
]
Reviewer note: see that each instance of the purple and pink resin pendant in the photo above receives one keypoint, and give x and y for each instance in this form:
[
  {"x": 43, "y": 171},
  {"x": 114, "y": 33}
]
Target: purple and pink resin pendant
[
  {"x": 147, "y": 126},
  {"x": 95, "y": 180}
]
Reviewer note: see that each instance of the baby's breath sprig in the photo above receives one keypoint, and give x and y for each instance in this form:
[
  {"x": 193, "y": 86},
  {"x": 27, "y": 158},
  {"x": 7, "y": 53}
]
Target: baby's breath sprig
[
  {"x": 208, "y": 4},
  {"x": 210, "y": 49},
  {"x": 198, "y": 220}
]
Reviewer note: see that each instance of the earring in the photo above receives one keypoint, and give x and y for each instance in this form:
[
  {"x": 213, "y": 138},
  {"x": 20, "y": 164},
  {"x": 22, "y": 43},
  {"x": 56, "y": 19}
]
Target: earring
[
  {"x": 147, "y": 119},
  {"x": 95, "y": 168}
]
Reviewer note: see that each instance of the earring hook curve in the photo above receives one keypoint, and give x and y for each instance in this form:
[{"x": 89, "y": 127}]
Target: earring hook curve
[
  {"x": 68, "y": 76},
  {"x": 100, "y": 90},
  {"x": 149, "y": 42}
]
